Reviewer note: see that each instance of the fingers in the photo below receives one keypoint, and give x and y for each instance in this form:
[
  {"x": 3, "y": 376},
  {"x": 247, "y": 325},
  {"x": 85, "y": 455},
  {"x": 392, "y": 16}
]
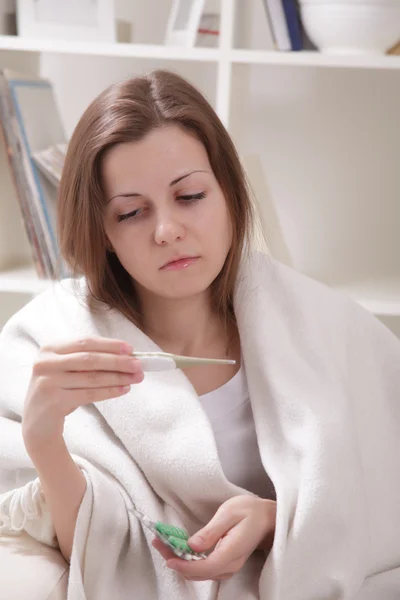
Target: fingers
[
  {"x": 82, "y": 397},
  {"x": 68, "y": 375},
  {"x": 204, "y": 570},
  {"x": 228, "y": 557},
  {"x": 95, "y": 344},
  {"x": 99, "y": 354},
  {"x": 168, "y": 555},
  {"x": 224, "y": 520},
  {"x": 99, "y": 361},
  {"x": 233, "y": 547},
  {"x": 219, "y": 578},
  {"x": 95, "y": 379},
  {"x": 86, "y": 361},
  {"x": 165, "y": 552}
]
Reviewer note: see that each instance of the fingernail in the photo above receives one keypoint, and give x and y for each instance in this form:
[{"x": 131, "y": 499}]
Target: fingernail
[
  {"x": 126, "y": 349},
  {"x": 196, "y": 539},
  {"x": 135, "y": 365}
]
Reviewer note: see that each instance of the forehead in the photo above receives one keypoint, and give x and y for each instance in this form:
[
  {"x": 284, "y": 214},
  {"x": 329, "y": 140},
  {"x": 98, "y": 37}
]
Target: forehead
[{"x": 160, "y": 156}]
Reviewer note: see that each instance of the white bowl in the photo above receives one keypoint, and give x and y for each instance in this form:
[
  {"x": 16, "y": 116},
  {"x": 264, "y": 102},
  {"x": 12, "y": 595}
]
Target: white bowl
[
  {"x": 352, "y": 27},
  {"x": 354, "y": 2}
]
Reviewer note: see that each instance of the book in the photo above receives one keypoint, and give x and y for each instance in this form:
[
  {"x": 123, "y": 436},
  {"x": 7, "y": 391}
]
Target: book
[
  {"x": 51, "y": 162},
  {"x": 30, "y": 122},
  {"x": 15, "y": 159},
  {"x": 293, "y": 23},
  {"x": 208, "y": 31},
  {"x": 11, "y": 188},
  {"x": 285, "y": 23}
]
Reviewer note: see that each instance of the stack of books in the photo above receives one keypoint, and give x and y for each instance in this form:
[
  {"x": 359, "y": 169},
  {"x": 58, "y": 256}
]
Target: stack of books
[{"x": 30, "y": 124}]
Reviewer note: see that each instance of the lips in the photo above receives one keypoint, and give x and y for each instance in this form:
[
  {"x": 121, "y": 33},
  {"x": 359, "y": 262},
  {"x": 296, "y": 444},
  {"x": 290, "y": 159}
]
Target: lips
[{"x": 179, "y": 261}]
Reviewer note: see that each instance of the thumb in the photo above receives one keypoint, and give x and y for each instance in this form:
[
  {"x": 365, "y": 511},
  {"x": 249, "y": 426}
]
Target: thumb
[{"x": 209, "y": 536}]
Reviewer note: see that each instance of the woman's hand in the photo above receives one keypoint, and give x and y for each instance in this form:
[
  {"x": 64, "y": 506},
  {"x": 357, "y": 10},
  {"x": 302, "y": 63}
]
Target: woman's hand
[
  {"x": 70, "y": 375},
  {"x": 240, "y": 526}
]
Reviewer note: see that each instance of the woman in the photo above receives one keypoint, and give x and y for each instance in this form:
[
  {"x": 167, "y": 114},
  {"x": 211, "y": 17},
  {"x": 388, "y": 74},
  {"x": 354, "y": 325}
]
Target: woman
[{"x": 154, "y": 212}]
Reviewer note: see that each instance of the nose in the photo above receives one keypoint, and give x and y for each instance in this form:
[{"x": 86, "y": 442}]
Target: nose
[{"x": 168, "y": 230}]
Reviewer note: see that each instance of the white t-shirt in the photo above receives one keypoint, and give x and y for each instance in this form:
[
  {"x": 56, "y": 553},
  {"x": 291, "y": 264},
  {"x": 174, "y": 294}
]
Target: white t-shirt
[{"x": 229, "y": 411}]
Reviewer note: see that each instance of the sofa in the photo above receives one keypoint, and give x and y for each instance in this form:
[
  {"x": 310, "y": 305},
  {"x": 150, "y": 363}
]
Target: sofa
[{"x": 30, "y": 570}]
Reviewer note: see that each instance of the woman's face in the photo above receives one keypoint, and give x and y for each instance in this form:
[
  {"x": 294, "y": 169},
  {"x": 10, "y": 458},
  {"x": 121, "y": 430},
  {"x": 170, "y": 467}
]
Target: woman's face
[{"x": 165, "y": 204}]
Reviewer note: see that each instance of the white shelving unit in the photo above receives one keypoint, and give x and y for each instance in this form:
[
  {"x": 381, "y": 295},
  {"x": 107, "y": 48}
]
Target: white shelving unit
[
  {"x": 381, "y": 297},
  {"x": 325, "y": 130},
  {"x": 22, "y": 280}
]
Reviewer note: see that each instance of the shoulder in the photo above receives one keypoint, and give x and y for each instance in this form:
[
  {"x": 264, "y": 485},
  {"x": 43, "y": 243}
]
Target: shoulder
[
  {"x": 296, "y": 292},
  {"x": 315, "y": 314},
  {"x": 312, "y": 319},
  {"x": 288, "y": 288}
]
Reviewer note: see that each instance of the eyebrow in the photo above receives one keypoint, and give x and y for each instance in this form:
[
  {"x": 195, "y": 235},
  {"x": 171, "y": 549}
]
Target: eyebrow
[{"x": 174, "y": 182}]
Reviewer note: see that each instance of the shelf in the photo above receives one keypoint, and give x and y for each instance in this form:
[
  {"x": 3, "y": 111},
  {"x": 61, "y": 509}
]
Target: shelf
[
  {"x": 22, "y": 280},
  {"x": 10, "y": 42},
  {"x": 380, "y": 297},
  {"x": 315, "y": 59},
  {"x": 236, "y": 56}
]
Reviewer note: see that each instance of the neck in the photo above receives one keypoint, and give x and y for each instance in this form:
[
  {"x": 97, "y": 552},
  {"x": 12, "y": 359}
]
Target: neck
[{"x": 186, "y": 326}]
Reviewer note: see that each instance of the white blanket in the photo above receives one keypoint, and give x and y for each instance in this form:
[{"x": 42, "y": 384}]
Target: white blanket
[{"x": 324, "y": 381}]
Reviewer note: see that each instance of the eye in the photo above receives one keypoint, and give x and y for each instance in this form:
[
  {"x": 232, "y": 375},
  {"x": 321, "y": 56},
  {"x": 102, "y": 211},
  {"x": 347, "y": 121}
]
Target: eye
[
  {"x": 191, "y": 197},
  {"x": 131, "y": 215}
]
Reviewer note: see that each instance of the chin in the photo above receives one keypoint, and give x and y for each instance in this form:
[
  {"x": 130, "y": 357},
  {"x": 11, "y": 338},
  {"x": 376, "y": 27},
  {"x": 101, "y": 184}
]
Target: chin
[
  {"x": 184, "y": 292},
  {"x": 185, "y": 289}
]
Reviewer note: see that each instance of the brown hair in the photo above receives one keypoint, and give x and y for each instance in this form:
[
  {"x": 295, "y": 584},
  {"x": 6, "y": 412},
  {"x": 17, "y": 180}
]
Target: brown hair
[{"x": 126, "y": 112}]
